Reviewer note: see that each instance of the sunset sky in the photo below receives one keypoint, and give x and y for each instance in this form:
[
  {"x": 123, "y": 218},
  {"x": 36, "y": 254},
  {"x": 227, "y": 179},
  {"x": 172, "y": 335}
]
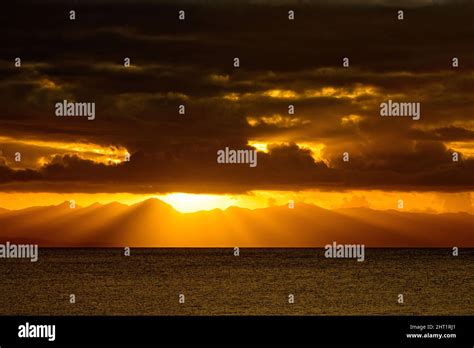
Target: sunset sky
[{"x": 282, "y": 63}]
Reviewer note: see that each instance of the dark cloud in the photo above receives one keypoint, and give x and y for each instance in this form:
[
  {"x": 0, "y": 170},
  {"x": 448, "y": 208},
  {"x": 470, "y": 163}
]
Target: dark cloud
[{"x": 190, "y": 63}]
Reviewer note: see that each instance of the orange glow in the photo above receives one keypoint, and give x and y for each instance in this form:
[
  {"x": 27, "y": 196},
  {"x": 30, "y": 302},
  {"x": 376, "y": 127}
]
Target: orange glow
[
  {"x": 276, "y": 120},
  {"x": 48, "y": 84},
  {"x": 324, "y": 92},
  {"x": 187, "y": 203},
  {"x": 350, "y": 93},
  {"x": 351, "y": 119},
  {"x": 93, "y": 152},
  {"x": 464, "y": 147},
  {"x": 315, "y": 148},
  {"x": 433, "y": 202},
  {"x": 280, "y": 93},
  {"x": 260, "y": 146}
]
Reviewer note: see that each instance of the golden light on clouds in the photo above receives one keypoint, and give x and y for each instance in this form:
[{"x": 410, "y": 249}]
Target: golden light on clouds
[
  {"x": 232, "y": 96},
  {"x": 329, "y": 91},
  {"x": 260, "y": 146},
  {"x": 277, "y": 120},
  {"x": 253, "y": 121},
  {"x": 464, "y": 147},
  {"x": 315, "y": 148},
  {"x": 351, "y": 119},
  {"x": 280, "y": 93},
  {"x": 94, "y": 152},
  {"x": 339, "y": 92},
  {"x": 323, "y": 92},
  {"x": 220, "y": 79},
  {"x": 48, "y": 84}
]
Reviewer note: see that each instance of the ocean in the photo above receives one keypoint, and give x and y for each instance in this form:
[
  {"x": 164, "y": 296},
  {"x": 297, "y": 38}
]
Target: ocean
[{"x": 258, "y": 282}]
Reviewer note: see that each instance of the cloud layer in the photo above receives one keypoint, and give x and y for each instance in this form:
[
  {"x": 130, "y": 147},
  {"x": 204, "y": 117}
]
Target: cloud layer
[{"x": 282, "y": 63}]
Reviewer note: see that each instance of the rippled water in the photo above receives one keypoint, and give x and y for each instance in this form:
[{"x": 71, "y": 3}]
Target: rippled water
[{"x": 258, "y": 282}]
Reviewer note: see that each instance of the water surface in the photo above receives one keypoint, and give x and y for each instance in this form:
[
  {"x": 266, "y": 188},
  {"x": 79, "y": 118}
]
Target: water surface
[{"x": 258, "y": 282}]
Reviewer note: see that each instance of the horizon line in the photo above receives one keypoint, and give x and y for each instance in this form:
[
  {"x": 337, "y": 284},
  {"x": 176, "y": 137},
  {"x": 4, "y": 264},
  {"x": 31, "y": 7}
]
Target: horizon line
[{"x": 66, "y": 202}]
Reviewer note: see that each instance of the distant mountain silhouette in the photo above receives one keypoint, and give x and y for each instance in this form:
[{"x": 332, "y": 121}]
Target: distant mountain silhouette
[{"x": 153, "y": 223}]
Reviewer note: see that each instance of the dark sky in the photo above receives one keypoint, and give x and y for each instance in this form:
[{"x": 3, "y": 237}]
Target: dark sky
[{"x": 282, "y": 62}]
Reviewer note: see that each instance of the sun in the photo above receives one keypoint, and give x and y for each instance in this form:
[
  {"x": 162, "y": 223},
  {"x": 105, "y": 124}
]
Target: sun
[{"x": 189, "y": 203}]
